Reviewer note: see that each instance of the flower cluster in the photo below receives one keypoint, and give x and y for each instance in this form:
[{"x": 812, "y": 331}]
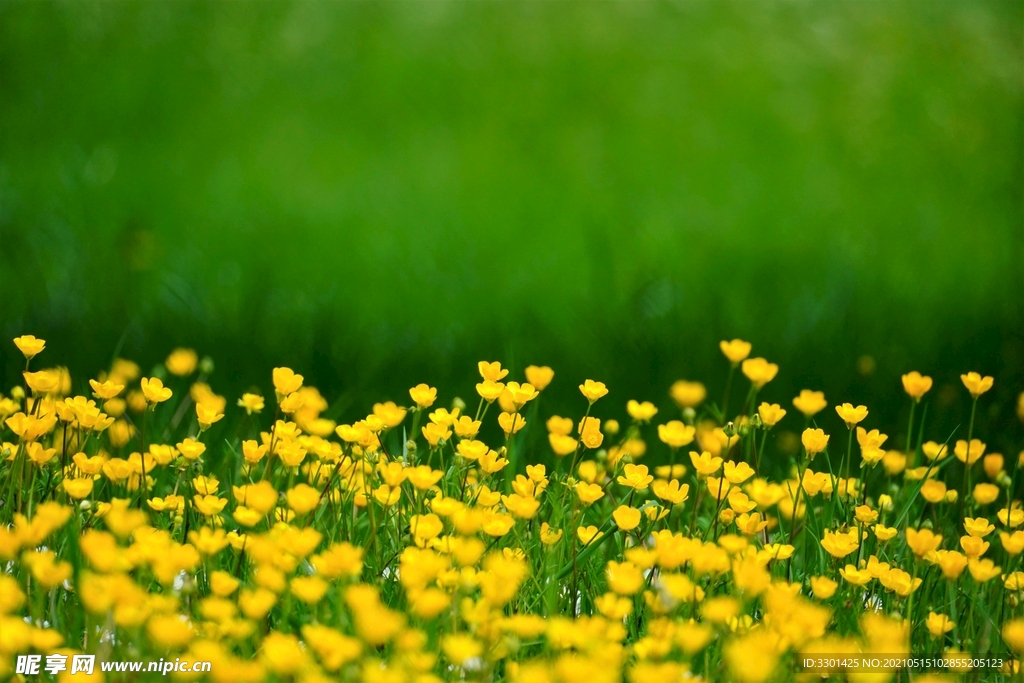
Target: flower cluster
[{"x": 427, "y": 543}]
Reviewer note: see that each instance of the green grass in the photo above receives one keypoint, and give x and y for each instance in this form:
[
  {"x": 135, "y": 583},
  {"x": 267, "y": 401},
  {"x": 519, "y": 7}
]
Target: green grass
[{"x": 382, "y": 194}]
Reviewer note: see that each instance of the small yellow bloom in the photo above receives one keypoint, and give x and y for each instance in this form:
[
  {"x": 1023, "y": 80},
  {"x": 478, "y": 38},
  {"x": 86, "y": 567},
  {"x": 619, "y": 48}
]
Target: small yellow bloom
[
  {"x": 851, "y": 415},
  {"x": 77, "y": 488},
  {"x": 423, "y": 395},
  {"x": 938, "y": 624},
  {"x": 976, "y": 384},
  {"x": 154, "y": 390},
  {"x": 922, "y": 541},
  {"x": 810, "y": 403},
  {"x": 969, "y": 455},
  {"x": 635, "y": 477},
  {"x": 589, "y": 493},
  {"x": 823, "y": 587},
  {"x": 511, "y": 422},
  {"x": 253, "y": 403},
  {"x": 814, "y": 440},
  {"x": 105, "y": 390},
  {"x": 704, "y": 463},
  {"x": 736, "y": 350},
  {"x": 539, "y": 376},
  {"x": 671, "y": 491},
  {"x": 592, "y": 390},
  {"x": 29, "y": 346},
  {"x": 182, "y": 362},
  {"x": 770, "y": 413},
  {"x": 759, "y": 371},
  {"x": 840, "y": 544},
  {"x": 688, "y": 394},
  {"x": 641, "y": 412},
  {"x": 916, "y": 385},
  {"x": 626, "y": 518},
  {"x": 489, "y": 390},
  {"x": 588, "y": 534},
  {"x": 675, "y": 434},
  {"x": 207, "y": 415}
]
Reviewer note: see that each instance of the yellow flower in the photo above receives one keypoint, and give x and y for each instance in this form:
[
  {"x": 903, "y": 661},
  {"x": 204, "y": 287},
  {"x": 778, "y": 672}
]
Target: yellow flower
[
  {"x": 209, "y": 504},
  {"x": 641, "y": 412},
  {"x": 851, "y": 415},
  {"x": 934, "y": 491},
  {"x": 855, "y": 576},
  {"x": 521, "y": 394},
  {"x": 951, "y": 562},
  {"x": 635, "y": 477},
  {"x": 738, "y": 472},
  {"x": 539, "y": 376},
  {"x": 423, "y": 395},
  {"x": 983, "y": 570},
  {"x": 922, "y": 541},
  {"x": 491, "y": 372},
  {"x": 29, "y": 346},
  {"x": 675, "y": 434},
  {"x": 671, "y": 491},
  {"x": 973, "y": 546},
  {"x": 590, "y": 432},
  {"x": 435, "y": 433},
  {"x": 77, "y": 488},
  {"x": 562, "y": 444},
  {"x": 523, "y": 507},
  {"x": 1013, "y": 543},
  {"x": 589, "y": 493},
  {"x": 491, "y": 462},
  {"x": 182, "y": 362},
  {"x": 253, "y": 403},
  {"x": 840, "y": 544},
  {"x": 423, "y": 477},
  {"x": 549, "y": 536},
  {"x": 823, "y": 587},
  {"x": 208, "y": 541},
  {"x": 736, "y": 350},
  {"x": 309, "y": 589},
  {"x": 172, "y": 631},
  {"x": 42, "y": 382},
  {"x": 489, "y": 390},
  {"x": 938, "y": 624},
  {"x": 759, "y": 371},
  {"x": 154, "y": 390},
  {"x": 592, "y": 390},
  {"x": 286, "y": 382},
  {"x": 588, "y": 534},
  {"x": 704, "y": 463},
  {"x": 207, "y": 416},
  {"x": 814, "y": 440},
  {"x": 770, "y": 413},
  {"x": 626, "y": 518},
  {"x": 916, "y": 385},
  {"x": 302, "y": 498},
  {"x": 978, "y": 526},
  {"x": 687, "y": 394},
  {"x": 105, "y": 390},
  {"x": 969, "y": 455},
  {"x": 884, "y": 533},
  {"x": 624, "y": 578},
  {"x": 810, "y": 403},
  {"x": 976, "y": 384},
  {"x": 511, "y": 422}
]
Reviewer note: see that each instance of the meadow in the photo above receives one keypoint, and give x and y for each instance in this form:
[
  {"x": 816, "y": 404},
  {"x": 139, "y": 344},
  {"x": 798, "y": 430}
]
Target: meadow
[
  {"x": 269, "y": 244},
  {"x": 157, "y": 520}
]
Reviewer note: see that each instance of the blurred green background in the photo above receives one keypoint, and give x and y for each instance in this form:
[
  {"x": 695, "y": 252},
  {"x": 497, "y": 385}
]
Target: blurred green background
[{"x": 382, "y": 194}]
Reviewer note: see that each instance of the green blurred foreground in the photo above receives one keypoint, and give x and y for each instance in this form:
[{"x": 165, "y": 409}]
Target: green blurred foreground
[{"x": 383, "y": 194}]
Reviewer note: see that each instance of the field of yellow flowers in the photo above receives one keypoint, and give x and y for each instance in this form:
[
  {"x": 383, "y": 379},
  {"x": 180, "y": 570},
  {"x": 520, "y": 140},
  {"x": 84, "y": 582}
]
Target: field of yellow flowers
[{"x": 402, "y": 547}]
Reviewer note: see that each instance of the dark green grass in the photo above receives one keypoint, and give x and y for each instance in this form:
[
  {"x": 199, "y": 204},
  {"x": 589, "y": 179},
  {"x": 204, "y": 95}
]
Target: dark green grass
[{"x": 382, "y": 194}]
